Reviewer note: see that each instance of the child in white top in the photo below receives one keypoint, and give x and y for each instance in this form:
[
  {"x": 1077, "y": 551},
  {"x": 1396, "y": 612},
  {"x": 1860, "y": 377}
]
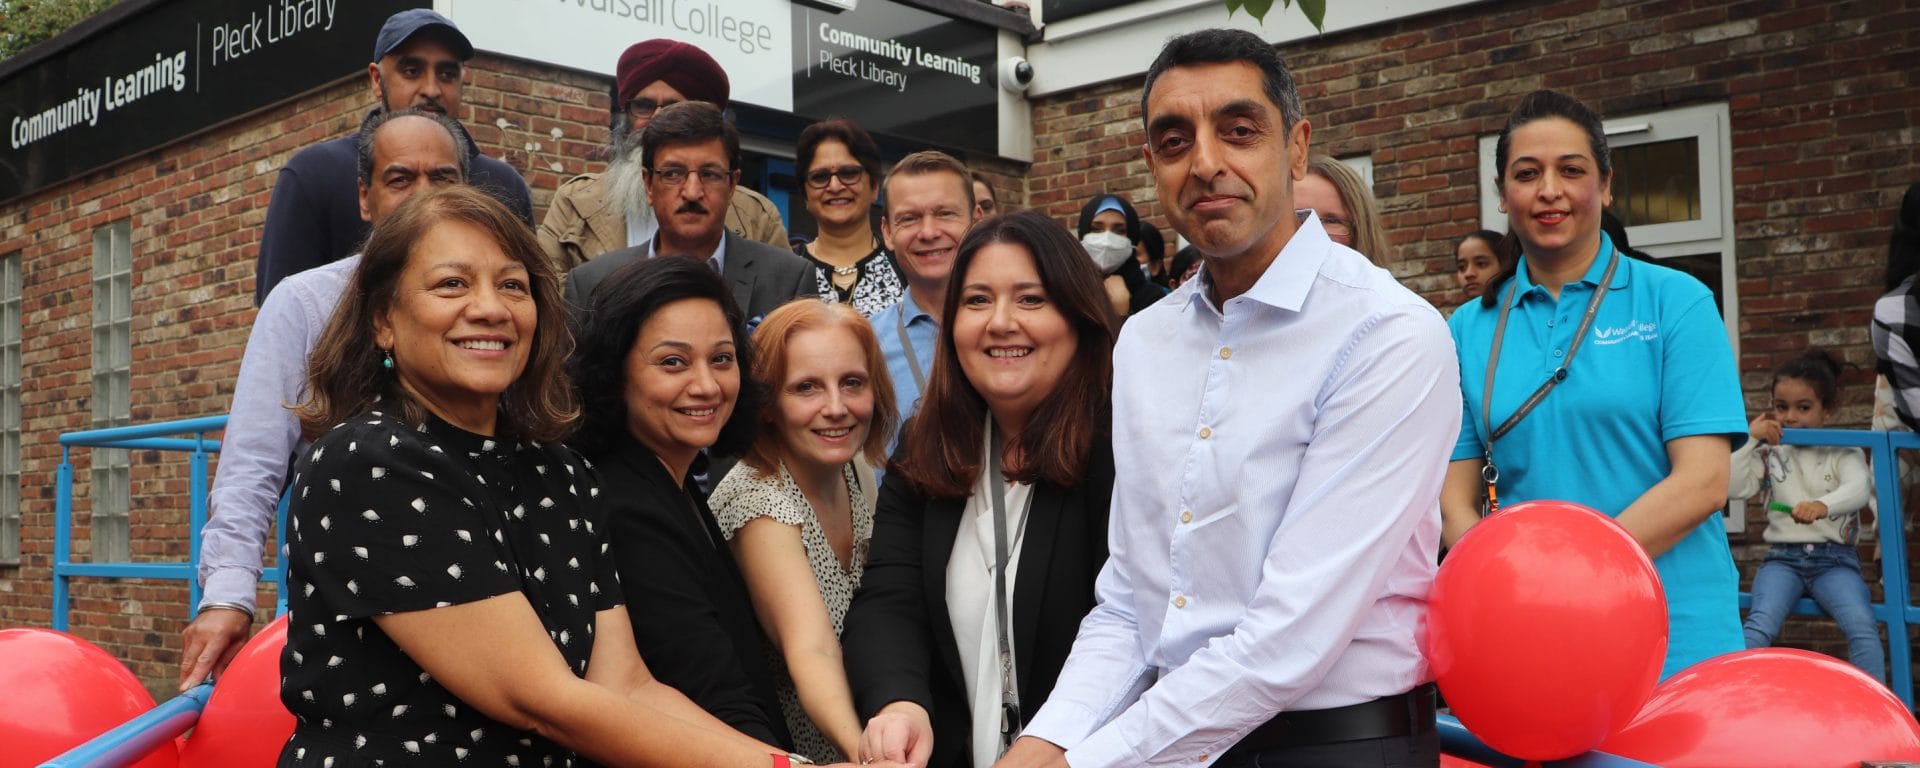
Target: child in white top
[{"x": 1814, "y": 496}]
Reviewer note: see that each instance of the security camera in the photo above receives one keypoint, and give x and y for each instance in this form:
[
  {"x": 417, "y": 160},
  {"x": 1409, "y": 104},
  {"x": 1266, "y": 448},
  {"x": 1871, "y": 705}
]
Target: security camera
[{"x": 1016, "y": 74}]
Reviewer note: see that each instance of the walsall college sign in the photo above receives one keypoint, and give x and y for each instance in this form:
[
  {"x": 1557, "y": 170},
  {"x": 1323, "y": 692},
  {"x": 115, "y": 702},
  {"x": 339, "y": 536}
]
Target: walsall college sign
[{"x": 168, "y": 71}]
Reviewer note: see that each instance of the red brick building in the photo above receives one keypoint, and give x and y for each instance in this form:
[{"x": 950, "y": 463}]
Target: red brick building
[{"x": 1800, "y": 117}]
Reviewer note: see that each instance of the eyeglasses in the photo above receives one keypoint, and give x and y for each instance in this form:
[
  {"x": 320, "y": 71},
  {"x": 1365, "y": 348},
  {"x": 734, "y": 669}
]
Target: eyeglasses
[
  {"x": 643, "y": 109},
  {"x": 848, "y": 175},
  {"x": 1334, "y": 225},
  {"x": 674, "y": 175}
]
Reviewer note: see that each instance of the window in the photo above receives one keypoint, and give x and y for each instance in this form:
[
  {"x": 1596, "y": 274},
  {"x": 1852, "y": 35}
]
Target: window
[
  {"x": 10, "y": 288},
  {"x": 112, "y": 383}
]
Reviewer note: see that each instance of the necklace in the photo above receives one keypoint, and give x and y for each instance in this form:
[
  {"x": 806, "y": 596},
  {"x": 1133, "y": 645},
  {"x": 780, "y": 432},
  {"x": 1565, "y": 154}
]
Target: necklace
[{"x": 847, "y": 270}]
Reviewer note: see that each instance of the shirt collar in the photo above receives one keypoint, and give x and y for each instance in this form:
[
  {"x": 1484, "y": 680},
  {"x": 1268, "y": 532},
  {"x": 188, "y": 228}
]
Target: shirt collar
[
  {"x": 718, "y": 260},
  {"x": 1525, "y": 284},
  {"x": 1291, "y": 274},
  {"x": 911, "y": 309}
]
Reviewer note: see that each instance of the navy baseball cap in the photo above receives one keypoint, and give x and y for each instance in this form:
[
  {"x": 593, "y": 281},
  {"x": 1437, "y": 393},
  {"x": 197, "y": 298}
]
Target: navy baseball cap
[{"x": 407, "y": 23}]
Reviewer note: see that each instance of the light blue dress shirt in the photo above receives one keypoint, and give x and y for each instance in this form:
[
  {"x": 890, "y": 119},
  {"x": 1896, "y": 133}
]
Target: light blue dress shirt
[
  {"x": 1655, "y": 367},
  {"x": 1276, "y": 514},
  {"x": 923, "y": 336}
]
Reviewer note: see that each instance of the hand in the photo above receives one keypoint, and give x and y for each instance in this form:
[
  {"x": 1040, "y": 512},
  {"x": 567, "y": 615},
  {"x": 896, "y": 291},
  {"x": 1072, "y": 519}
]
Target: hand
[
  {"x": 899, "y": 732},
  {"x": 1029, "y": 752},
  {"x": 1765, "y": 428},
  {"x": 1810, "y": 511},
  {"x": 873, "y": 764},
  {"x": 212, "y": 640}
]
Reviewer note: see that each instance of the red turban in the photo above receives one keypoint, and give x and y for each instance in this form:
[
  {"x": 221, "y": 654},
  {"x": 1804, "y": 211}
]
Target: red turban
[{"x": 688, "y": 69}]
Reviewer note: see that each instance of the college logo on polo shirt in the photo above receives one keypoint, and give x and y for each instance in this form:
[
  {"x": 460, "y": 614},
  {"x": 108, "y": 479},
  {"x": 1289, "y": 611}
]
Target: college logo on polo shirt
[{"x": 1628, "y": 332}]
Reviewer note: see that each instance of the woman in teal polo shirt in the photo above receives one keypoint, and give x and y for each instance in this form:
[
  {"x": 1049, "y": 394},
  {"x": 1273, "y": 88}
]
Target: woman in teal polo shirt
[{"x": 1635, "y": 398}]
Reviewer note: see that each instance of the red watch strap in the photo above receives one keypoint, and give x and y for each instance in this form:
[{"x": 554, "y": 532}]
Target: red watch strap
[{"x": 780, "y": 761}]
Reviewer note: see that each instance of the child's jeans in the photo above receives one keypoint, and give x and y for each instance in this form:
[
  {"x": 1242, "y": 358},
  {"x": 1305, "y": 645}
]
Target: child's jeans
[{"x": 1831, "y": 573}]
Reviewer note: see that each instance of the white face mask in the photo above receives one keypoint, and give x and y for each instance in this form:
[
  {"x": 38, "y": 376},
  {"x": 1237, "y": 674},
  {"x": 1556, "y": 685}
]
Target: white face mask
[{"x": 1108, "y": 249}]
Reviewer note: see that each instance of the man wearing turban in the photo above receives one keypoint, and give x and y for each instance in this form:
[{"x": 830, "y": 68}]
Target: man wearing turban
[{"x": 594, "y": 213}]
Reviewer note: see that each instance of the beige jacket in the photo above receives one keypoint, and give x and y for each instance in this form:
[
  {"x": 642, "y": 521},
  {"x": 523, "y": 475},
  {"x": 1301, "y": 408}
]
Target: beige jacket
[{"x": 581, "y": 224}]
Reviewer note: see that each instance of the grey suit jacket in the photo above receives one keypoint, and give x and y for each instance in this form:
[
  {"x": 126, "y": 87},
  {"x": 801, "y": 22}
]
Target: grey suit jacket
[{"x": 763, "y": 277}]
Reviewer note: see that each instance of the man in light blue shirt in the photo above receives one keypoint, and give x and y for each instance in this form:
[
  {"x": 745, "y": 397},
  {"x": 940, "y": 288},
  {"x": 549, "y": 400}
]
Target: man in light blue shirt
[
  {"x": 928, "y": 204},
  {"x": 401, "y": 153},
  {"x": 1281, "y": 431}
]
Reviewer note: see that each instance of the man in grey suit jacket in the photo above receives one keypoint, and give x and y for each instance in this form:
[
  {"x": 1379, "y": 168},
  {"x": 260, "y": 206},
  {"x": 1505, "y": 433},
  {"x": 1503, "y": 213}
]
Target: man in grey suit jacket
[{"x": 690, "y": 155}]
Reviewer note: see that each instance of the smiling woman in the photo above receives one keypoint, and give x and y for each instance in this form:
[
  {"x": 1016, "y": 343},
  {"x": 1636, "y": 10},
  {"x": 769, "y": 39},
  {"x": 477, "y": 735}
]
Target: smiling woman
[{"x": 447, "y": 565}]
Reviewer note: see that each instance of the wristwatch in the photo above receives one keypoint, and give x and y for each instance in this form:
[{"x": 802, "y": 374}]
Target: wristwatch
[{"x": 790, "y": 759}]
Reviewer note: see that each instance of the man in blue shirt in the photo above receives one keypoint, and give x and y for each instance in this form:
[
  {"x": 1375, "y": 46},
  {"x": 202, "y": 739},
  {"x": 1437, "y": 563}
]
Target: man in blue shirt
[{"x": 929, "y": 204}]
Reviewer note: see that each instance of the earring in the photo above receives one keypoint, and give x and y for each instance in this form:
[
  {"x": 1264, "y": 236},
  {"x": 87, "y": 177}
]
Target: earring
[{"x": 387, "y": 363}]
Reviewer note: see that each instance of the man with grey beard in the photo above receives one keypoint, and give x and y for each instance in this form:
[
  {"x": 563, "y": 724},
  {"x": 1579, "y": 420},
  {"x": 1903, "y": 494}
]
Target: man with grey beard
[{"x": 592, "y": 213}]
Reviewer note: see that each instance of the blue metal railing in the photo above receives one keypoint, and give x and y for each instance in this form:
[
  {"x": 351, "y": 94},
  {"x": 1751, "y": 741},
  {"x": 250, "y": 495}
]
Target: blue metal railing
[
  {"x": 1896, "y": 610},
  {"x": 134, "y": 739},
  {"x": 160, "y": 436}
]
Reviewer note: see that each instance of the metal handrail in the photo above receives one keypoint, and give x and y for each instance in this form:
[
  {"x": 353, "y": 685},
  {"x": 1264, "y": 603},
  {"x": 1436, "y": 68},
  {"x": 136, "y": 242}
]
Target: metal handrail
[
  {"x": 134, "y": 739},
  {"x": 158, "y": 436}
]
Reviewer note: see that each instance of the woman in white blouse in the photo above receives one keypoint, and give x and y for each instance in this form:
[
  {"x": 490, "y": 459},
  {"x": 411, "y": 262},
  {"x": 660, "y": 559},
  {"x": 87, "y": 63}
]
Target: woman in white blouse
[
  {"x": 798, "y": 508},
  {"x": 1001, "y": 483}
]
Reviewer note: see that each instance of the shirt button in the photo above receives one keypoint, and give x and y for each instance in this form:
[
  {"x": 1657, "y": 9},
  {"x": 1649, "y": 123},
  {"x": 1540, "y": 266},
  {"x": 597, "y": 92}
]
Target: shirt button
[
  {"x": 1186, "y": 517},
  {"x": 1202, "y": 758},
  {"x": 1559, "y": 353},
  {"x": 1180, "y": 602},
  {"x": 1205, "y": 433},
  {"x": 1226, "y": 353}
]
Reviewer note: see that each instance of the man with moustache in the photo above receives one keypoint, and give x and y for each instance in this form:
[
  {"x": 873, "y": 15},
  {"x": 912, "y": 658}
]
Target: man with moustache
[
  {"x": 398, "y": 153},
  {"x": 1282, "y": 425},
  {"x": 312, "y": 219},
  {"x": 689, "y": 158},
  {"x": 594, "y": 213}
]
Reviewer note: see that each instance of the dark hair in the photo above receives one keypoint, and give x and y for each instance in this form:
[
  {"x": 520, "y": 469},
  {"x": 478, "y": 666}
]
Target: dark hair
[
  {"x": 1819, "y": 370},
  {"x": 942, "y": 451},
  {"x": 689, "y": 122},
  {"x": 1092, "y": 209},
  {"x": 1903, "y": 247},
  {"x": 623, "y": 302},
  {"x": 370, "y": 130},
  {"x": 772, "y": 360},
  {"x": 1488, "y": 236},
  {"x": 345, "y": 379},
  {"x": 1541, "y": 105},
  {"x": 858, "y": 142},
  {"x": 1215, "y": 46},
  {"x": 1151, "y": 239},
  {"x": 924, "y": 162}
]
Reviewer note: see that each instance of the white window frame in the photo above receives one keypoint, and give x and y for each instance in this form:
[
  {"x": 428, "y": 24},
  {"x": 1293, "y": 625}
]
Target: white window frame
[
  {"x": 10, "y": 327},
  {"x": 111, "y": 492}
]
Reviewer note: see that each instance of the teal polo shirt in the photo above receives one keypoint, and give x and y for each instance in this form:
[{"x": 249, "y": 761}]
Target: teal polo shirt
[{"x": 1655, "y": 366}]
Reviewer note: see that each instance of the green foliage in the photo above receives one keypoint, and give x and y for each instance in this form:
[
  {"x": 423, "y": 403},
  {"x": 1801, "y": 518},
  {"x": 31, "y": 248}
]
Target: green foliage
[
  {"x": 25, "y": 23},
  {"x": 1316, "y": 10}
]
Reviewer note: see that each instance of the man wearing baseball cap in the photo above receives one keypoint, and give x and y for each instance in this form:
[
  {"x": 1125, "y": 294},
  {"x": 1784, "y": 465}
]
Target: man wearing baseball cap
[
  {"x": 594, "y": 213},
  {"x": 313, "y": 217}
]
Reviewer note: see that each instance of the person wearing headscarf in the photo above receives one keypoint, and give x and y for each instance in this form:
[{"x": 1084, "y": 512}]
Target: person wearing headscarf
[{"x": 1110, "y": 232}]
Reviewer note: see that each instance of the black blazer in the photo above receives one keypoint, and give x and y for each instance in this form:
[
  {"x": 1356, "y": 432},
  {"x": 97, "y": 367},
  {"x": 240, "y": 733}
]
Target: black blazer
[
  {"x": 898, "y": 638},
  {"x": 691, "y": 614},
  {"x": 763, "y": 277}
]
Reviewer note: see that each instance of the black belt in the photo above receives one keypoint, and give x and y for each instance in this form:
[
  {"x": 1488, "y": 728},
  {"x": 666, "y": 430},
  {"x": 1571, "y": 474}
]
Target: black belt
[{"x": 1407, "y": 714}]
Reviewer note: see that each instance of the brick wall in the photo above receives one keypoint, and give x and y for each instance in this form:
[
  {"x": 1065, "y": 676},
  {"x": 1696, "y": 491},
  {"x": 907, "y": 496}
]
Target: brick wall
[{"x": 1823, "y": 109}]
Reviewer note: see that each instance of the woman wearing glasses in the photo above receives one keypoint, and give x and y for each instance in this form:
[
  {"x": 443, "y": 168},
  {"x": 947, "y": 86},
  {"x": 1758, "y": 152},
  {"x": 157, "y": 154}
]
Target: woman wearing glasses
[
  {"x": 1345, "y": 207},
  {"x": 840, "y": 166}
]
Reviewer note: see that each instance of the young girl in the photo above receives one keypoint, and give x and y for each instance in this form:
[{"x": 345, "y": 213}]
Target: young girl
[{"x": 1814, "y": 496}]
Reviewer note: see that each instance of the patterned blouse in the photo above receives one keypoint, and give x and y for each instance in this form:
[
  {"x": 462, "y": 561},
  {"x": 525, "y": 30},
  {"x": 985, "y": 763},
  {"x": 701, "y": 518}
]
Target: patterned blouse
[
  {"x": 387, "y": 518},
  {"x": 878, "y": 286},
  {"x": 745, "y": 495}
]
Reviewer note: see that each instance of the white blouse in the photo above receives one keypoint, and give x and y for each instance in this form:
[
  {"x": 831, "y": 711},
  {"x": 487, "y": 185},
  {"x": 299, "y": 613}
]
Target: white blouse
[{"x": 970, "y": 603}]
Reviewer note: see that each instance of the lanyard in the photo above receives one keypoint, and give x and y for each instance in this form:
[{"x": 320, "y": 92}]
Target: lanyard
[
  {"x": 1009, "y": 678},
  {"x": 1491, "y": 473},
  {"x": 906, "y": 343}
]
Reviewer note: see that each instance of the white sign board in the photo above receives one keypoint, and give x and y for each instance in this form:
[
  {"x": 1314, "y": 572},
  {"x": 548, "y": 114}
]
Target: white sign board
[{"x": 752, "y": 39}]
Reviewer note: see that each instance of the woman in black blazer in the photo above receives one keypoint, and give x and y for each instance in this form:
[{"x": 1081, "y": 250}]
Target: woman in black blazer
[
  {"x": 659, "y": 367},
  {"x": 1021, "y": 384}
]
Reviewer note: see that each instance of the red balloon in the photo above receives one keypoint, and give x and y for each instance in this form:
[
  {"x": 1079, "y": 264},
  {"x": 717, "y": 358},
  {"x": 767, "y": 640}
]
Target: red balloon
[
  {"x": 1449, "y": 761},
  {"x": 244, "y": 722},
  {"x": 1546, "y": 629},
  {"x": 1770, "y": 706},
  {"x": 57, "y": 691}
]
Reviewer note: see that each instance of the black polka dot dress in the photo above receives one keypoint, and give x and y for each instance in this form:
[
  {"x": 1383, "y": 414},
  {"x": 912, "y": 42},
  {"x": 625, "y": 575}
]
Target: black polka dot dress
[{"x": 389, "y": 518}]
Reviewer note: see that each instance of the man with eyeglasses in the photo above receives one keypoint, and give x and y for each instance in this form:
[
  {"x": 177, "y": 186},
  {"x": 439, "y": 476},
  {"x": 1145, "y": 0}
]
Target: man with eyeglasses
[
  {"x": 689, "y": 157},
  {"x": 313, "y": 217},
  {"x": 594, "y": 213}
]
